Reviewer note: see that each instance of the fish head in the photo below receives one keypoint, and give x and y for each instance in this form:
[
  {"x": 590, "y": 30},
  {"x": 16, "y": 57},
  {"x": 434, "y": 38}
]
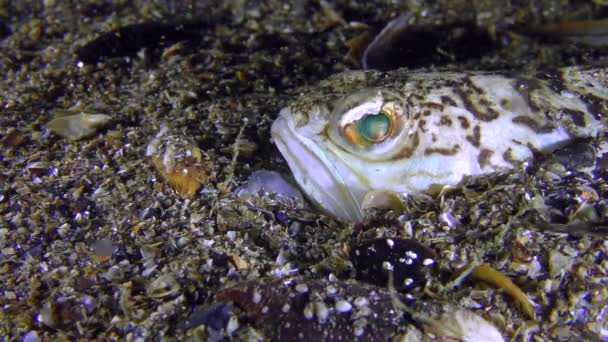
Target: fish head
[
  {"x": 410, "y": 132},
  {"x": 342, "y": 148}
]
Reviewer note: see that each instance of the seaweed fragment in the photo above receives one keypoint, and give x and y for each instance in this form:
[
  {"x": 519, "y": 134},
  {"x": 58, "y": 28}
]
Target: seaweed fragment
[{"x": 487, "y": 273}]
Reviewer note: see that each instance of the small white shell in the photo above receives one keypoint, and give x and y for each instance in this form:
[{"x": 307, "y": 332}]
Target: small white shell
[{"x": 78, "y": 126}]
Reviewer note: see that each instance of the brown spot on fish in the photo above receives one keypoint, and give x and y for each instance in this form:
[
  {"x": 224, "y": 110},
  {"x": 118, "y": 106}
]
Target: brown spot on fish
[
  {"x": 468, "y": 99},
  {"x": 484, "y": 157},
  {"x": 434, "y": 137},
  {"x": 505, "y": 104},
  {"x": 445, "y": 121},
  {"x": 475, "y": 139},
  {"x": 464, "y": 122},
  {"x": 470, "y": 84},
  {"x": 415, "y": 97},
  {"x": 422, "y": 125},
  {"x": 485, "y": 102},
  {"x": 508, "y": 157},
  {"x": 446, "y": 100},
  {"x": 434, "y": 105},
  {"x": 426, "y": 112},
  {"x": 442, "y": 150},
  {"x": 533, "y": 125},
  {"x": 577, "y": 116}
]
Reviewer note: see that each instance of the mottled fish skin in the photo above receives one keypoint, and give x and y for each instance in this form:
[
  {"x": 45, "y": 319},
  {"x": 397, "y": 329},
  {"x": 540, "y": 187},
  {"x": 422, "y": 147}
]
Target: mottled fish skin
[{"x": 444, "y": 126}]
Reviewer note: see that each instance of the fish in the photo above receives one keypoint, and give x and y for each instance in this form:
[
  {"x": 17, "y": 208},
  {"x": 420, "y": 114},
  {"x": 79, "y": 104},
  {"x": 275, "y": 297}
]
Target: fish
[
  {"x": 411, "y": 132},
  {"x": 403, "y": 44}
]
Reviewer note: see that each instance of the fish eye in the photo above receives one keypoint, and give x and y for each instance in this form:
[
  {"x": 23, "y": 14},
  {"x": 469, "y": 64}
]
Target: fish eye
[
  {"x": 371, "y": 128},
  {"x": 374, "y": 127}
]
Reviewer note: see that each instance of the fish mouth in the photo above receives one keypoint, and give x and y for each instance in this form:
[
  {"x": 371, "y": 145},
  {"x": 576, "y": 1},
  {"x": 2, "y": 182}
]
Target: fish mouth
[{"x": 316, "y": 174}]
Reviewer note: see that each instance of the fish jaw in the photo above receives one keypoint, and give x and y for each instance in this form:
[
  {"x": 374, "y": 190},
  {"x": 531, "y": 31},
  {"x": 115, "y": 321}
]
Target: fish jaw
[{"x": 316, "y": 170}]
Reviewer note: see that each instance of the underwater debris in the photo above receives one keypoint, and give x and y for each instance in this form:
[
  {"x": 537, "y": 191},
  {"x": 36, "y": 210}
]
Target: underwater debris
[
  {"x": 165, "y": 285},
  {"x": 78, "y": 126},
  {"x": 178, "y": 162},
  {"x": 533, "y": 219},
  {"x": 405, "y": 262},
  {"x": 297, "y": 309},
  {"x": 128, "y": 40},
  {"x": 214, "y": 316},
  {"x": 67, "y": 312},
  {"x": 487, "y": 273},
  {"x": 451, "y": 323},
  {"x": 401, "y": 44},
  {"x": 14, "y": 138}
]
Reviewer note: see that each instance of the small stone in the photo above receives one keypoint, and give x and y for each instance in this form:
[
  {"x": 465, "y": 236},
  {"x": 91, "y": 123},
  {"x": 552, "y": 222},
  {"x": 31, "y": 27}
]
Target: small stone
[
  {"x": 239, "y": 263},
  {"x": 302, "y": 288},
  {"x": 31, "y": 336},
  {"x": 308, "y": 311},
  {"x": 233, "y": 324},
  {"x": 361, "y": 302},
  {"x": 343, "y": 306},
  {"x": 321, "y": 311},
  {"x": 257, "y": 297}
]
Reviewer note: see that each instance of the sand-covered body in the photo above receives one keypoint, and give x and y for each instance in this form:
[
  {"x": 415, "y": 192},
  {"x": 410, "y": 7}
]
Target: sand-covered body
[{"x": 443, "y": 126}]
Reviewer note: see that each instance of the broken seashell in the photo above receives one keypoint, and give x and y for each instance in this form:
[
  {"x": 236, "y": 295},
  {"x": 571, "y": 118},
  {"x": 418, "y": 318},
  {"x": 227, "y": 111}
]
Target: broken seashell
[
  {"x": 178, "y": 162},
  {"x": 78, "y": 126}
]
